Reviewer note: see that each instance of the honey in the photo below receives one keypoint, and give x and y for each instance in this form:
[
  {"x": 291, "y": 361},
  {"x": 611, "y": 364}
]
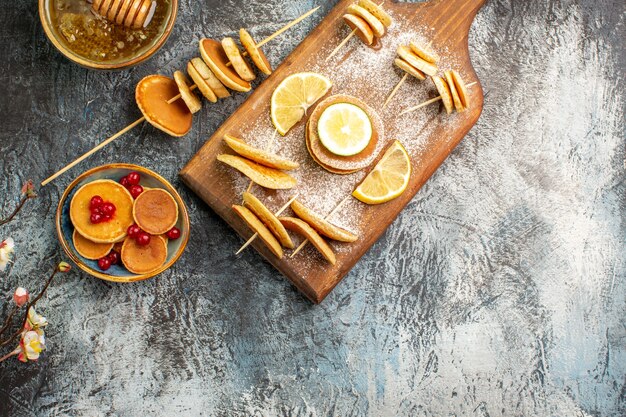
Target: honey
[{"x": 94, "y": 38}]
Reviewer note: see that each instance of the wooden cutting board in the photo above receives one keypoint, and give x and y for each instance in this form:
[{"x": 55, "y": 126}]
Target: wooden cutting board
[{"x": 429, "y": 134}]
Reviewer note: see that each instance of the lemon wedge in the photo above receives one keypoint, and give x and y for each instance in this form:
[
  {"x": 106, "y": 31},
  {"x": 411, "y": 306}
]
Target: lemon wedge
[
  {"x": 344, "y": 129},
  {"x": 293, "y": 97},
  {"x": 388, "y": 179}
]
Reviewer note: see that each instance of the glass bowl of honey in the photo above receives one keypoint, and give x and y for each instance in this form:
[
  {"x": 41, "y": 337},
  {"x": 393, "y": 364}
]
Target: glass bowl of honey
[{"x": 82, "y": 31}]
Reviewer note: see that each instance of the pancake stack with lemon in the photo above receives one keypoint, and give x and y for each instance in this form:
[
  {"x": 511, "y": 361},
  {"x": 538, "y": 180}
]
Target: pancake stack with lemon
[{"x": 222, "y": 66}]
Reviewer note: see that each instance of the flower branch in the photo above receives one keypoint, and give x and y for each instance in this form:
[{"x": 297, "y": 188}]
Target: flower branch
[{"x": 28, "y": 192}]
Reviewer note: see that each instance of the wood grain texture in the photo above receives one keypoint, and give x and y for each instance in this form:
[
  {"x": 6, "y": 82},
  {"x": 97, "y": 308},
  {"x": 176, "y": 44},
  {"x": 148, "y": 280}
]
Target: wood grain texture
[{"x": 450, "y": 21}]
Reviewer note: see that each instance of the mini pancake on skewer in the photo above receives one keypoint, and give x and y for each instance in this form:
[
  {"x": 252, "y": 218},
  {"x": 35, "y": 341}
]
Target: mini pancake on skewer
[
  {"x": 258, "y": 227},
  {"x": 347, "y": 164},
  {"x": 265, "y": 177},
  {"x": 238, "y": 62},
  {"x": 424, "y": 52},
  {"x": 409, "y": 69},
  {"x": 144, "y": 259},
  {"x": 360, "y": 27},
  {"x": 302, "y": 228},
  {"x": 215, "y": 57},
  {"x": 155, "y": 211},
  {"x": 444, "y": 92},
  {"x": 152, "y": 94},
  {"x": 426, "y": 67},
  {"x": 322, "y": 226},
  {"x": 268, "y": 218},
  {"x": 191, "y": 100},
  {"x": 210, "y": 78},
  {"x": 258, "y": 155},
  {"x": 202, "y": 85},
  {"x": 458, "y": 105},
  {"x": 88, "y": 249},
  {"x": 377, "y": 11},
  {"x": 378, "y": 29},
  {"x": 461, "y": 88},
  {"x": 254, "y": 52}
]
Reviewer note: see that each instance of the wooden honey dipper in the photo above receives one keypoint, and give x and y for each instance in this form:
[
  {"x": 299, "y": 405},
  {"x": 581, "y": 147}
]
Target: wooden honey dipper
[
  {"x": 133, "y": 14},
  {"x": 190, "y": 102}
]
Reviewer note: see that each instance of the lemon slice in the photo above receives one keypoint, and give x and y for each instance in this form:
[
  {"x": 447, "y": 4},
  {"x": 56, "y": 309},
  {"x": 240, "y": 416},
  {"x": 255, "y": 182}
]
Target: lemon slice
[
  {"x": 293, "y": 97},
  {"x": 388, "y": 179},
  {"x": 345, "y": 129}
]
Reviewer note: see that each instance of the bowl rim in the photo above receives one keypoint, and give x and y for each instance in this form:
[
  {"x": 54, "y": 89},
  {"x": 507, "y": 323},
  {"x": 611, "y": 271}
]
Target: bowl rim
[
  {"x": 136, "y": 277},
  {"x": 77, "y": 59}
]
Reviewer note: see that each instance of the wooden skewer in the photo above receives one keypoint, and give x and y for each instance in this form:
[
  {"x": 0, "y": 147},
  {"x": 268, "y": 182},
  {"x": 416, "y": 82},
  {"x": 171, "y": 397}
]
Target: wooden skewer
[
  {"x": 395, "y": 90},
  {"x": 335, "y": 210},
  {"x": 426, "y": 103},
  {"x": 343, "y": 42},
  {"x": 278, "y": 213},
  {"x": 170, "y": 101}
]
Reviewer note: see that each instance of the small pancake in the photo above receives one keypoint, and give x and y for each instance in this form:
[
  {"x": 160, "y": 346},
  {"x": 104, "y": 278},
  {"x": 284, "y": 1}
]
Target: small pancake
[
  {"x": 363, "y": 30},
  {"x": 191, "y": 100},
  {"x": 300, "y": 227},
  {"x": 326, "y": 167},
  {"x": 424, "y": 52},
  {"x": 210, "y": 78},
  {"x": 254, "y": 52},
  {"x": 458, "y": 105},
  {"x": 132, "y": 12},
  {"x": 144, "y": 259},
  {"x": 88, "y": 249},
  {"x": 119, "y": 19},
  {"x": 155, "y": 211},
  {"x": 202, "y": 85},
  {"x": 265, "y": 177},
  {"x": 111, "y": 192},
  {"x": 115, "y": 7},
  {"x": 415, "y": 61},
  {"x": 258, "y": 155},
  {"x": 377, "y": 11},
  {"x": 152, "y": 94},
  {"x": 142, "y": 13},
  {"x": 461, "y": 88},
  {"x": 268, "y": 218},
  {"x": 322, "y": 226},
  {"x": 214, "y": 56},
  {"x": 376, "y": 25},
  {"x": 406, "y": 67},
  {"x": 344, "y": 163},
  {"x": 444, "y": 92},
  {"x": 239, "y": 64},
  {"x": 257, "y": 226}
]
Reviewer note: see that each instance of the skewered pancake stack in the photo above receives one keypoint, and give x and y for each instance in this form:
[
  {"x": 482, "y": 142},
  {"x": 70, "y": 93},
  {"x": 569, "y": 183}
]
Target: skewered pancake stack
[
  {"x": 417, "y": 60},
  {"x": 135, "y": 14},
  {"x": 452, "y": 90},
  {"x": 367, "y": 20},
  {"x": 222, "y": 66}
]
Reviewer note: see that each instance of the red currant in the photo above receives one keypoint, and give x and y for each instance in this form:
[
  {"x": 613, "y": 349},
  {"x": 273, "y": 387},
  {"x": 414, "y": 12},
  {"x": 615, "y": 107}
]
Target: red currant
[
  {"x": 106, "y": 217},
  {"x": 143, "y": 239},
  {"x": 133, "y": 231},
  {"x": 104, "y": 263},
  {"x": 114, "y": 257},
  {"x": 96, "y": 218},
  {"x": 124, "y": 181},
  {"x": 96, "y": 201},
  {"x": 108, "y": 209},
  {"x": 174, "y": 233},
  {"x": 133, "y": 178},
  {"x": 136, "y": 190}
]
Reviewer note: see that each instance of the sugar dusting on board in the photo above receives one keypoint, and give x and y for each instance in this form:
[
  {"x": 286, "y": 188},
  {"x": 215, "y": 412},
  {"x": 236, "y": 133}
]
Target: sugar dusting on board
[{"x": 354, "y": 66}]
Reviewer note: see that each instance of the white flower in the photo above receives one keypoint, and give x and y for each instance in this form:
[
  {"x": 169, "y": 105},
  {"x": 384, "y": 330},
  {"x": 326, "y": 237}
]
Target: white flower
[
  {"x": 6, "y": 250},
  {"x": 32, "y": 344},
  {"x": 35, "y": 321}
]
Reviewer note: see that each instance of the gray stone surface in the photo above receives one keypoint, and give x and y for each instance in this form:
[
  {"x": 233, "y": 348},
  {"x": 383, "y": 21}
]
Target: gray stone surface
[{"x": 499, "y": 291}]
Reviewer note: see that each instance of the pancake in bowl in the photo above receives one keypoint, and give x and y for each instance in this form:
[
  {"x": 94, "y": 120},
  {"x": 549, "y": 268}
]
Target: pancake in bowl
[
  {"x": 106, "y": 232},
  {"x": 155, "y": 211},
  {"x": 144, "y": 259},
  {"x": 88, "y": 249}
]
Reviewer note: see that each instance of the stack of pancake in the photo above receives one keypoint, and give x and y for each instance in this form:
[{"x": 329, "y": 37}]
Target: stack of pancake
[{"x": 368, "y": 20}]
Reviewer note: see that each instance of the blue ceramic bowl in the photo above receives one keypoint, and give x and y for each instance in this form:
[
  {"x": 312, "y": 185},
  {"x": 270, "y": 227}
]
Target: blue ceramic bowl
[{"x": 115, "y": 172}]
